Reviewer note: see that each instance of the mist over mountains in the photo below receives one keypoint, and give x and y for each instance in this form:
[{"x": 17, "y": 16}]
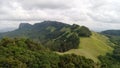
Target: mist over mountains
[{"x": 7, "y": 29}]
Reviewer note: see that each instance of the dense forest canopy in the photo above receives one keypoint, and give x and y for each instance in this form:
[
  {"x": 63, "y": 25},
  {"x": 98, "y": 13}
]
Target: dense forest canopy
[{"x": 25, "y": 53}]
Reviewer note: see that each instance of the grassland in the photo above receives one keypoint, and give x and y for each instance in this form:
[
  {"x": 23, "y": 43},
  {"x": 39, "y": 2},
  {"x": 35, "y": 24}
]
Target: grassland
[{"x": 92, "y": 47}]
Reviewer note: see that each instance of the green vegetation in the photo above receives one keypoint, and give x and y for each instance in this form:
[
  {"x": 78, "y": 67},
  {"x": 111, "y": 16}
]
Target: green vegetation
[
  {"x": 81, "y": 31},
  {"x": 74, "y": 61},
  {"x": 92, "y": 47},
  {"x": 25, "y": 53},
  {"x": 57, "y": 45},
  {"x": 112, "y": 60},
  {"x": 64, "y": 43}
]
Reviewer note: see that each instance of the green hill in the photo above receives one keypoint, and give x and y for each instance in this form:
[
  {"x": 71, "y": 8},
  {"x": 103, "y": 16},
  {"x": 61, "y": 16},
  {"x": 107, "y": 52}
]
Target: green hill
[{"x": 92, "y": 47}]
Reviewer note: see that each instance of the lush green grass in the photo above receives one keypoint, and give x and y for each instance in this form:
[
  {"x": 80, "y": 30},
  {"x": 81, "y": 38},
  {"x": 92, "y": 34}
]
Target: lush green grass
[{"x": 92, "y": 47}]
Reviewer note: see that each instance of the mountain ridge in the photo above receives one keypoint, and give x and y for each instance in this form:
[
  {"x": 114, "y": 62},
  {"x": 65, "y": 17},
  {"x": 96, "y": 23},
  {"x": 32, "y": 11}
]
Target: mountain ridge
[{"x": 111, "y": 32}]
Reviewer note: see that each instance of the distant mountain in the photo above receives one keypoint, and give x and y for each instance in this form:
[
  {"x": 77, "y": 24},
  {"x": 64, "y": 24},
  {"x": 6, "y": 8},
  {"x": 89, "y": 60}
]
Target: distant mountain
[
  {"x": 111, "y": 32},
  {"x": 113, "y": 35}
]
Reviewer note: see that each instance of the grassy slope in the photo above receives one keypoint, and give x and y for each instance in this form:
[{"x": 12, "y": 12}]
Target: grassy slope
[{"x": 92, "y": 47}]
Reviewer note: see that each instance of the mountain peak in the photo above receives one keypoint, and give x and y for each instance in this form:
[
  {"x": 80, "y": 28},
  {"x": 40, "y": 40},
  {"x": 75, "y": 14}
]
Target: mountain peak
[
  {"x": 24, "y": 25},
  {"x": 49, "y": 22}
]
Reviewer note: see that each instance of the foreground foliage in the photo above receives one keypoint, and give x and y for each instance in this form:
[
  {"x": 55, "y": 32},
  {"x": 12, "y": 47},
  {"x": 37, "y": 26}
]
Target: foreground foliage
[{"x": 24, "y": 53}]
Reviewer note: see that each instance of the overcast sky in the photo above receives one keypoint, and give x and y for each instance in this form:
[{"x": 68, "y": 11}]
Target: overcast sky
[{"x": 95, "y": 14}]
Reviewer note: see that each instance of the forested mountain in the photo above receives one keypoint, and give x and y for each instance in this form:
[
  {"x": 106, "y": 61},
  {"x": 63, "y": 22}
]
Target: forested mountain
[
  {"x": 55, "y": 35},
  {"x": 46, "y": 30}
]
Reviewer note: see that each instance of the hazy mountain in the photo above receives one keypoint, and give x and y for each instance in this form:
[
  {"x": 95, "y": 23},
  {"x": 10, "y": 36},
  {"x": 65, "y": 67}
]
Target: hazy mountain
[{"x": 111, "y": 32}]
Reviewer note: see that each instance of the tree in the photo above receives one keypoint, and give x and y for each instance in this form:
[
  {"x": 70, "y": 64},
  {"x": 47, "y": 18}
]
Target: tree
[{"x": 84, "y": 31}]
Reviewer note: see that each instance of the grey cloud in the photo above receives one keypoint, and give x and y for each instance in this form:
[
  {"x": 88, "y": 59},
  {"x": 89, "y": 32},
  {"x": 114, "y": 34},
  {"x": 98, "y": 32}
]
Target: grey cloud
[
  {"x": 45, "y": 4},
  {"x": 38, "y": 9},
  {"x": 105, "y": 11},
  {"x": 104, "y": 18},
  {"x": 86, "y": 11}
]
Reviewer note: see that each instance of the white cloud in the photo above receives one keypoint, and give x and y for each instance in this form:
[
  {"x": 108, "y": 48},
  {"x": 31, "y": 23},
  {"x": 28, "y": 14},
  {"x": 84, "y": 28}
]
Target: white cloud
[{"x": 96, "y": 14}]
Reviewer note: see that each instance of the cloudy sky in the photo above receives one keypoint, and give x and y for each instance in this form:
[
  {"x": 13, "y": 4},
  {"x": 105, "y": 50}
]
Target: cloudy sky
[{"x": 96, "y": 14}]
